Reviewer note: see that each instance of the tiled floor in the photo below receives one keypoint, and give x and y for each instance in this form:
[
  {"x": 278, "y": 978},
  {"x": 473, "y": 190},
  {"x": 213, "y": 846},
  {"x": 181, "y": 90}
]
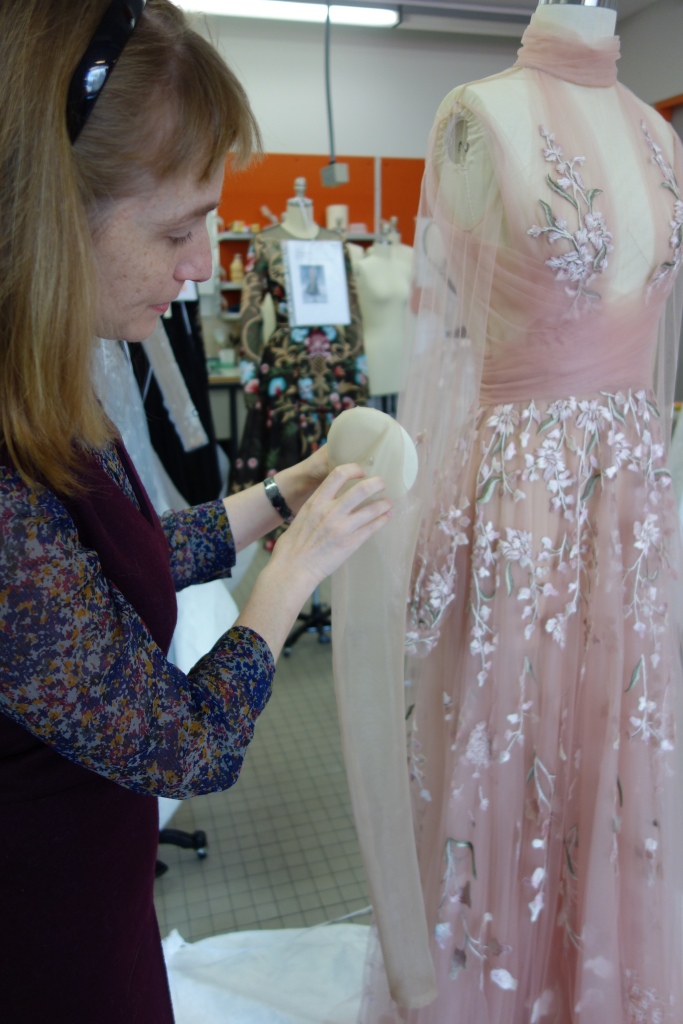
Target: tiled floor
[{"x": 282, "y": 847}]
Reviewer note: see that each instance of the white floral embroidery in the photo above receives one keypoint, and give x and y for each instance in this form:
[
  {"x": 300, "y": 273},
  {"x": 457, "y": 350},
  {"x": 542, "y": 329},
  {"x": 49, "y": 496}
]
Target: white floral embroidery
[
  {"x": 503, "y": 979},
  {"x": 478, "y": 750},
  {"x": 591, "y": 242},
  {"x": 676, "y": 224},
  {"x": 644, "y": 1006},
  {"x": 582, "y": 444}
]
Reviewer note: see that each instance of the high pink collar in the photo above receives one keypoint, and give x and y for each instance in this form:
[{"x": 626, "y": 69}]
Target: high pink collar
[{"x": 566, "y": 55}]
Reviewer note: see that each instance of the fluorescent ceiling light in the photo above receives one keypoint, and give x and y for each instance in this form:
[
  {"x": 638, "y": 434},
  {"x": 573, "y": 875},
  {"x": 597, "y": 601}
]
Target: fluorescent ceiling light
[{"x": 282, "y": 10}]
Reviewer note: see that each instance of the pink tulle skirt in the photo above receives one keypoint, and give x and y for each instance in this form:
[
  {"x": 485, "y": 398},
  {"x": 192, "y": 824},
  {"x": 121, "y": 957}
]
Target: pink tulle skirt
[{"x": 545, "y": 725}]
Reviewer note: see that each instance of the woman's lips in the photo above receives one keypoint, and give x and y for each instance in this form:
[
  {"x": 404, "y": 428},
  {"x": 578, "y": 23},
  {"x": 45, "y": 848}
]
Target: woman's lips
[{"x": 161, "y": 309}]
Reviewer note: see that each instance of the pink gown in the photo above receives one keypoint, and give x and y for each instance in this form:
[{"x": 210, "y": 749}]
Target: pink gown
[{"x": 545, "y": 739}]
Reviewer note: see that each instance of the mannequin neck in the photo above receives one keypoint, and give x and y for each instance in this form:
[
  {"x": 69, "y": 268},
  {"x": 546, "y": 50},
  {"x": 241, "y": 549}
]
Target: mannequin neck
[
  {"x": 382, "y": 249},
  {"x": 298, "y": 219},
  {"x": 591, "y": 23}
]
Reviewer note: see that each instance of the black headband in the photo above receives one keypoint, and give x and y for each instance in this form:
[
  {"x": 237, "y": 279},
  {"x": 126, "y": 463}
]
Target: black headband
[{"x": 99, "y": 60}]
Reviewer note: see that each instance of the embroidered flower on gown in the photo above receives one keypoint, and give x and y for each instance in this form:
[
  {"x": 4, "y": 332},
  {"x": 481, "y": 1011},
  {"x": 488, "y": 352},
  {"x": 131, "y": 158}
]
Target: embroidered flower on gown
[{"x": 591, "y": 241}]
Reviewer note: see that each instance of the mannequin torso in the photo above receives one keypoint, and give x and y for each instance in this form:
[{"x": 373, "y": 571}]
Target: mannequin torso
[
  {"x": 383, "y": 279},
  {"x": 503, "y": 102},
  {"x": 298, "y": 220}
]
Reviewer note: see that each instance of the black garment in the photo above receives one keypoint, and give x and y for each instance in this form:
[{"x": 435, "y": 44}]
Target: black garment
[{"x": 195, "y": 474}]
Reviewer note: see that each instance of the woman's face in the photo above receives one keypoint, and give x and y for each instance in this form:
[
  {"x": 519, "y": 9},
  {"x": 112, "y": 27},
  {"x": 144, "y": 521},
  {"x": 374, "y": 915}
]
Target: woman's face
[{"x": 146, "y": 248}]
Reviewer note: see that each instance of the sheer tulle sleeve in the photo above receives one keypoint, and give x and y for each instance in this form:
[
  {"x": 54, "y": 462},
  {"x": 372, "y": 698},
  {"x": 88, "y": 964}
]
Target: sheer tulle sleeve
[
  {"x": 670, "y": 323},
  {"x": 458, "y": 235},
  {"x": 370, "y": 592}
]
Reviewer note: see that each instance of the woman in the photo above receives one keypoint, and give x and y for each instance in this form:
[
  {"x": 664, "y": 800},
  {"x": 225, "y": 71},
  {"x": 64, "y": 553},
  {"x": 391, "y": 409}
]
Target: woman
[{"x": 106, "y": 177}]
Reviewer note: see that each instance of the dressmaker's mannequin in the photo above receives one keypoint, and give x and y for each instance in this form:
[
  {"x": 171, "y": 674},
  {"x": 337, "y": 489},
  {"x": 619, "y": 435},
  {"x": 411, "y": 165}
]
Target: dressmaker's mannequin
[
  {"x": 383, "y": 279},
  {"x": 298, "y": 219},
  {"x": 588, "y": 21},
  {"x": 303, "y": 376},
  {"x": 547, "y": 206},
  {"x": 505, "y": 100}
]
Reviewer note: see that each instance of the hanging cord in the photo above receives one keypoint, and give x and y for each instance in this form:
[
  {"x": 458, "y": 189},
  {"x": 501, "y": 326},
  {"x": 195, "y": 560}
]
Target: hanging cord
[
  {"x": 328, "y": 86},
  {"x": 305, "y": 211}
]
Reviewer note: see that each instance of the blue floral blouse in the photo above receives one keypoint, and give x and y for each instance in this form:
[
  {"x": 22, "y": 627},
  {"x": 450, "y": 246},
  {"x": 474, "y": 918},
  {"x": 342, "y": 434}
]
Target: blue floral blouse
[{"x": 81, "y": 672}]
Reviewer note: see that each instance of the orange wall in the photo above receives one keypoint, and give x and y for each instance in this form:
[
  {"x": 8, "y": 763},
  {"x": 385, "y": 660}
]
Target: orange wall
[{"x": 271, "y": 182}]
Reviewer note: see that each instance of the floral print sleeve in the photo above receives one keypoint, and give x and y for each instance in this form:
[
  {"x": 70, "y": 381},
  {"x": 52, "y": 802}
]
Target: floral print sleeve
[
  {"x": 80, "y": 671},
  {"x": 201, "y": 544}
]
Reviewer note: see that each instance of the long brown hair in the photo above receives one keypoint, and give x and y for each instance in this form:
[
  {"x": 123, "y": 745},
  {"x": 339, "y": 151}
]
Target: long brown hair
[{"x": 171, "y": 106}]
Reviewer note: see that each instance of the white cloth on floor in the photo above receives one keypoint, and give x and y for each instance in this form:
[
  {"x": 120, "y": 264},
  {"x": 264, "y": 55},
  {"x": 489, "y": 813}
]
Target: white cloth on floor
[{"x": 280, "y": 976}]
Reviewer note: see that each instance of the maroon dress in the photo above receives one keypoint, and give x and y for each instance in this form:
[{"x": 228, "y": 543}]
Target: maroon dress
[{"x": 80, "y": 941}]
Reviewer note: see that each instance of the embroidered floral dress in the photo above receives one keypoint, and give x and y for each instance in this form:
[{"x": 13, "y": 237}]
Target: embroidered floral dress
[
  {"x": 300, "y": 379},
  {"x": 545, "y": 708}
]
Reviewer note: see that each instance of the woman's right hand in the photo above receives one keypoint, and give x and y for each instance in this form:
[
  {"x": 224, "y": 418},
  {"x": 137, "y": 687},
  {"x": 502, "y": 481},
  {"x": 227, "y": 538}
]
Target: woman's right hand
[
  {"x": 332, "y": 525},
  {"x": 334, "y": 522}
]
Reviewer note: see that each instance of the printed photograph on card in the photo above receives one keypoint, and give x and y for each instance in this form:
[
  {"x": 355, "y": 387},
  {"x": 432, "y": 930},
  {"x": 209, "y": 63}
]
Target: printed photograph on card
[
  {"x": 313, "y": 283},
  {"x": 316, "y": 283}
]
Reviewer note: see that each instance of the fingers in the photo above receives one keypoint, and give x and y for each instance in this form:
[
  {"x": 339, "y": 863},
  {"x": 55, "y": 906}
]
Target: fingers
[
  {"x": 337, "y": 479},
  {"x": 367, "y": 529},
  {"x": 373, "y": 510},
  {"x": 348, "y": 486}
]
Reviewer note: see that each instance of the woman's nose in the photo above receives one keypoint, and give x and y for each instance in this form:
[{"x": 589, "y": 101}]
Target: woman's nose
[{"x": 197, "y": 263}]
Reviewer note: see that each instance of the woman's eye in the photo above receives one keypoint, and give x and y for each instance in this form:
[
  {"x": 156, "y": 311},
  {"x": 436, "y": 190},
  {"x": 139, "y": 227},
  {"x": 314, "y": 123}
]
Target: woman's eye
[{"x": 183, "y": 239}]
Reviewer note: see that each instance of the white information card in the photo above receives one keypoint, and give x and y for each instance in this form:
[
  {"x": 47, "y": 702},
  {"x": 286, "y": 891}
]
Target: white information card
[{"x": 317, "y": 288}]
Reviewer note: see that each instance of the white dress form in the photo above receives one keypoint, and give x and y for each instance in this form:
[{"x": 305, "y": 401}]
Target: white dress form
[
  {"x": 383, "y": 279},
  {"x": 298, "y": 219}
]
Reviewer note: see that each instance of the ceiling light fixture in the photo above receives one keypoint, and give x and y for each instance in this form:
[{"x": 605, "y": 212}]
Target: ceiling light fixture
[{"x": 282, "y": 10}]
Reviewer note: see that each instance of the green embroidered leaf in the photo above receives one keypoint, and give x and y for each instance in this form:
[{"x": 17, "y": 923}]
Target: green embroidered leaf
[
  {"x": 490, "y": 487},
  {"x": 549, "y": 215},
  {"x": 509, "y": 582},
  {"x": 620, "y": 791},
  {"x": 590, "y": 196},
  {"x": 498, "y": 445},
  {"x": 545, "y": 783},
  {"x": 636, "y": 674},
  {"x": 592, "y": 443},
  {"x": 615, "y": 412},
  {"x": 547, "y": 424},
  {"x": 561, "y": 192},
  {"x": 653, "y": 408},
  {"x": 409, "y": 711},
  {"x": 590, "y": 487},
  {"x": 570, "y": 866},
  {"x": 600, "y": 258},
  {"x": 590, "y": 294}
]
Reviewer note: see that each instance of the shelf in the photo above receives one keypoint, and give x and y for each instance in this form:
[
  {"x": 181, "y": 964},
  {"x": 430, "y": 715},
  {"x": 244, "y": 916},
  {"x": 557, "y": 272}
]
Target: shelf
[
  {"x": 230, "y": 317},
  {"x": 246, "y": 236},
  {"x": 231, "y": 286}
]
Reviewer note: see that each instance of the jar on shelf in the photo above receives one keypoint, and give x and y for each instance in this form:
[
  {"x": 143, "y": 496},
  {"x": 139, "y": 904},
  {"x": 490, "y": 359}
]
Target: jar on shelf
[{"x": 237, "y": 269}]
